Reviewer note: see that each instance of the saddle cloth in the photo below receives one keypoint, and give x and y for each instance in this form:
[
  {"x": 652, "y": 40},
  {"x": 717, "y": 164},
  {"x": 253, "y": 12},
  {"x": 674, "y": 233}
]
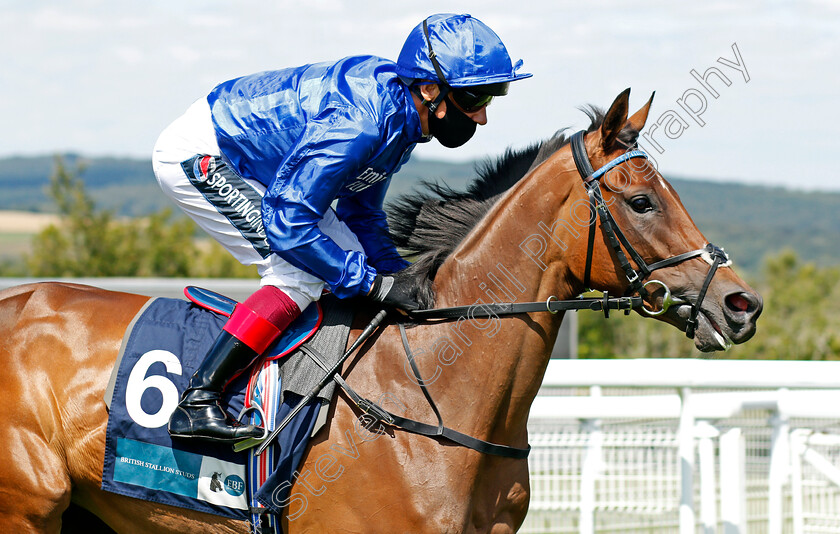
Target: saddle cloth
[{"x": 162, "y": 347}]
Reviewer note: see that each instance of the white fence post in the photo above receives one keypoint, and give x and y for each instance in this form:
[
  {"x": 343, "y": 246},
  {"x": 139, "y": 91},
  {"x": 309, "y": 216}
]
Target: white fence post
[
  {"x": 686, "y": 437},
  {"x": 733, "y": 482},
  {"x": 797, "y": 446},
  {"x": 779, "y": 464},
  {"x": 590, "y": 469},
  {"x": 705, "y": 433}
]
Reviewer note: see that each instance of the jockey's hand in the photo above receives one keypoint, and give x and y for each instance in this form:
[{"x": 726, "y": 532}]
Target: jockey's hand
[{"x": 398, "y": 290}]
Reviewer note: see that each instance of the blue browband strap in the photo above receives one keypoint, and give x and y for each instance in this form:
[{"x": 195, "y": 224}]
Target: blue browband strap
[{"x": 617, "y": 161}]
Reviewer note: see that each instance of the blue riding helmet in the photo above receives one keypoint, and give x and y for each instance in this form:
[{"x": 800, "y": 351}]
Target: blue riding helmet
[{"x": 467, "y": 52}]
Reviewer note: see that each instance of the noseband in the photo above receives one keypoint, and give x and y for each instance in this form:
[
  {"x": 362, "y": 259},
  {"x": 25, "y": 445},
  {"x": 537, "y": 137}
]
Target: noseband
[{"x": 715, "y": 256}]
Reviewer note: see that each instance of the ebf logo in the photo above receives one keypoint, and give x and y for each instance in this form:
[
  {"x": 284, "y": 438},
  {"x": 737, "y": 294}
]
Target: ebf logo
[{"x": 234, "y": 485}]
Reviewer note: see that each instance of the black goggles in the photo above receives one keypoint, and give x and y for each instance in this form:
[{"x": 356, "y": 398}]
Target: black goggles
[{"x": 470, "y": 101}]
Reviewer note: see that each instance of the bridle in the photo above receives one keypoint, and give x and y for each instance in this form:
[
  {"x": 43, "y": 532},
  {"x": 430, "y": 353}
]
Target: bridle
[{"x": 713, "y": 255}]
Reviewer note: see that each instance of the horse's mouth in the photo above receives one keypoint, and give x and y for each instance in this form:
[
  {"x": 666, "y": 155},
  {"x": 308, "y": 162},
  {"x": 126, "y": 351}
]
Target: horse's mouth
[{"x": 708, "y": 335}]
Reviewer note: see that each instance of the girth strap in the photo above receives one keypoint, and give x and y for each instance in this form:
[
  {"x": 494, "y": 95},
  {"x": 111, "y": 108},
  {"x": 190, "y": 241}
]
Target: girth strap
[
  {"x": 416, "y": 427},
  {"x": 442, "y": 431}
]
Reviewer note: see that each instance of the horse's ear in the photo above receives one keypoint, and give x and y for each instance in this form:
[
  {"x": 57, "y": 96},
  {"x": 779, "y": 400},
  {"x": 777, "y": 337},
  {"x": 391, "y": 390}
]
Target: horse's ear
[
  {"x": 615, "y": 119},
  {"x": 639, "y": 118}
]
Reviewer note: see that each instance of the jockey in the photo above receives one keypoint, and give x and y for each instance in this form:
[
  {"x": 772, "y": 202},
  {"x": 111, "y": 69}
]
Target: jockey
[{"x": 259, "y": 162}]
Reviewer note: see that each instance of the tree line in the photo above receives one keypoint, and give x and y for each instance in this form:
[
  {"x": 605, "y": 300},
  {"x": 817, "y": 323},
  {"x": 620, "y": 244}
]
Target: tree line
[
  {"x": 94, "y": 242},
  {"x": 801, "y": 318},
  {"x": 800, "y": 321}
]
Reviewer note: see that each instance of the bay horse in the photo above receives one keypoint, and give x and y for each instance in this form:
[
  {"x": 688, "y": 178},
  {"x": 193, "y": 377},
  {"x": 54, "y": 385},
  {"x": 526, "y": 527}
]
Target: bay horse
[{"x": 511, "y": 236}]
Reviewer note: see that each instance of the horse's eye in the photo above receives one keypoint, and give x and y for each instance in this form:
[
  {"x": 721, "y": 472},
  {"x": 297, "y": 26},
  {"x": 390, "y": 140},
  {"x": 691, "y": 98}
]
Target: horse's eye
[{"x": 641, "y": 204}]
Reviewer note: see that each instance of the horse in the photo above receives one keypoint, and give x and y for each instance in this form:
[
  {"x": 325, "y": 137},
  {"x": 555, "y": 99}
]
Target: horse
[{"x": 526, "y": 230}]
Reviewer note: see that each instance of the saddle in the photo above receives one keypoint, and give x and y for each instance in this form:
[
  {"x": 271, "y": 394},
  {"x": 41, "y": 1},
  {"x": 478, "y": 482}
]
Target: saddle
[{"x": 161, "y": 348}]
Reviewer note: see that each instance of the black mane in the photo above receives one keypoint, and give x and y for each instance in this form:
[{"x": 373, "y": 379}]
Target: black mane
[{"x": 429, "y": 223}]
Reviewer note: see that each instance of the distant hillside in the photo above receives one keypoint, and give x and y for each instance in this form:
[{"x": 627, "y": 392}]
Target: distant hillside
[
  {"x": 124, "y": 185},
  {"x": 749, "y": 221},
  {"x": 128, "y": 186},
  {"x": 752, "y": 222}
]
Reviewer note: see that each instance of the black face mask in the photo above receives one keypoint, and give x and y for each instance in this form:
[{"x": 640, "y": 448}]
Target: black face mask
[{"x": 454, "y": 129}]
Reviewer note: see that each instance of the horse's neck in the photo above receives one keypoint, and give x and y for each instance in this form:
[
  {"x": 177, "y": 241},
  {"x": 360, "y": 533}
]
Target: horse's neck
[
  {"x": 507, "y": 356},
  {"x": 504, "y": 244}
]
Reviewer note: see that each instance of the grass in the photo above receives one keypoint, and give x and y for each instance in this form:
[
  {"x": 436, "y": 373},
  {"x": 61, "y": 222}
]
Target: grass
[
  {"x": 14, "y": 245},
  {"x": 16, "y": 231}
]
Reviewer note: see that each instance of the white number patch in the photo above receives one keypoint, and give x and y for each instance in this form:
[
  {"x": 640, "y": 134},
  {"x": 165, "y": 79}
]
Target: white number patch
[{"x": 138, "y": 383}]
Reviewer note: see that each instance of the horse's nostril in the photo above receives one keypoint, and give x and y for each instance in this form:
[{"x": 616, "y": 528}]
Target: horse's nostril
[{"x": 737, "y": 302}]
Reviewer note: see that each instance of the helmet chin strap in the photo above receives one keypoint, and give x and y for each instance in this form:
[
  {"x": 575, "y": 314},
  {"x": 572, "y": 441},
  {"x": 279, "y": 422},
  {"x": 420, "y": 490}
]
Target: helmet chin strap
[{"x": 433, "y": 105}]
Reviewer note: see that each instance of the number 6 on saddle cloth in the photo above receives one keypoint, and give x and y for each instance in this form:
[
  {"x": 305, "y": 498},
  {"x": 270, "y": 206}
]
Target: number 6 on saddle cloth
[{"x": 160, "y": 350}]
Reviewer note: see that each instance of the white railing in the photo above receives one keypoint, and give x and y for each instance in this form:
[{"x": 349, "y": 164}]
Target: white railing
[
  {"x": 815, "y": 481},
  {"x": 645, "y": 446}
]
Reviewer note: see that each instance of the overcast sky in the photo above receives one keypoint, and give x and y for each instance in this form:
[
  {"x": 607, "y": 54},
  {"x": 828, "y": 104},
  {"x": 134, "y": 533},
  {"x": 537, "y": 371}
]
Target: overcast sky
[{"x": 104, "y": 77}]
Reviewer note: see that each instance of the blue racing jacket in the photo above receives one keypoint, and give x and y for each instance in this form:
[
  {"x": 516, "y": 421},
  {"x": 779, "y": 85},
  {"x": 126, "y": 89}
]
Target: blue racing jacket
[{"x": 314, "y": 134}]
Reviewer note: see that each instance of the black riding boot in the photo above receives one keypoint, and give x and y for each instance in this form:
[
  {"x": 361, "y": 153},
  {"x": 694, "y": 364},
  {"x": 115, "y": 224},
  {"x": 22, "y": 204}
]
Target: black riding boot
[{"x": 199, "y": 415}]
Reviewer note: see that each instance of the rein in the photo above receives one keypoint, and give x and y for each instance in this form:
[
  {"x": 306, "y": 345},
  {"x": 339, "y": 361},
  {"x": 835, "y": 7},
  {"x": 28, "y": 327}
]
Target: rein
[{"x": 551, "y": 305}]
